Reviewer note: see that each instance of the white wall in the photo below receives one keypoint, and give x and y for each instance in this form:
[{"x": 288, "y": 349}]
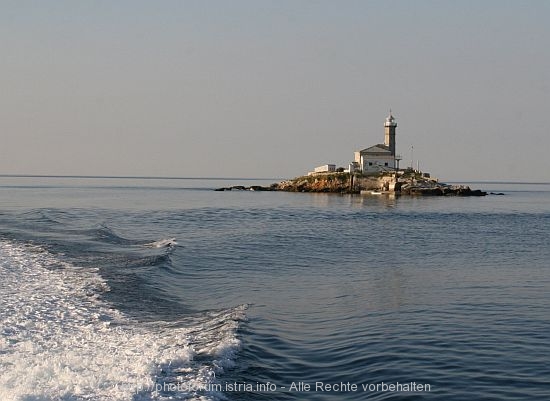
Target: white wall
[{"x": 378, "y": 163}]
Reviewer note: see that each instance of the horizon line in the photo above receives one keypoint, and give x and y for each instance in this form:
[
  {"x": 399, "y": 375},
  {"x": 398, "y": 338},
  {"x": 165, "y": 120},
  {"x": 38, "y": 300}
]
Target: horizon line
[
  {"x": 133, "y": 177},
  {"x": 230, "y": 178}
]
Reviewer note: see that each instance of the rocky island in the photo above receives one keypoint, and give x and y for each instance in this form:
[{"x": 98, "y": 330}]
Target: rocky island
[
  {"x": 375, "y": 170},
  {"x": 408, "y": 182}
]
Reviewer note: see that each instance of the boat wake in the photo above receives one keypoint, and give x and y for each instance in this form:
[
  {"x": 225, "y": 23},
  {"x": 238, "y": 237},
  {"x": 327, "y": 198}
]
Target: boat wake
[
  {"x": 59, "y": 340},
  {"x": 163, "y": 243}
]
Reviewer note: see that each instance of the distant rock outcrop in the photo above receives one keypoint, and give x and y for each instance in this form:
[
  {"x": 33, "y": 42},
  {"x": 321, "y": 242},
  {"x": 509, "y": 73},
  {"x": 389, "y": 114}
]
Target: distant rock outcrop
[{"x": 273, "y": 187}]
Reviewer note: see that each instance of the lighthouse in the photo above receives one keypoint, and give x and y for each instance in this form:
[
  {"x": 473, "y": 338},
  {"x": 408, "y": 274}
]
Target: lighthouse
[
  {"x": 389, "y": 130},
  {"x": 380, "y": 157}
]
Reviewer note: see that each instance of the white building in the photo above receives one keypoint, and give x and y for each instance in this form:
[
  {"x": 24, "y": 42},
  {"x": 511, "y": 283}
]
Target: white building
[
  {"x": 380, "y": 157},
  {"x": 327, "y": 168},
  {"x": 324, "y": 169},
  {"x": 377, "y": 158}
]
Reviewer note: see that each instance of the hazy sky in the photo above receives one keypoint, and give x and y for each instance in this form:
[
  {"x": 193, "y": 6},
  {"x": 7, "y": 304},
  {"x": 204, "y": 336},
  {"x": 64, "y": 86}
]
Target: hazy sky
[{"x": 273, "y": 88}]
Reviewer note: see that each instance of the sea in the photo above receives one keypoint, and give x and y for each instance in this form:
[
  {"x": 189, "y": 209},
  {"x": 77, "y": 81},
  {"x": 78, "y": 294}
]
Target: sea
[{"x": 164, "y": 289}]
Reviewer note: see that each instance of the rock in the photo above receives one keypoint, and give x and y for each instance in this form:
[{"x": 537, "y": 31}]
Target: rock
[
  {"x": 243, "y": 188},
  {"x": 477, "y": 192},
  {"x": 436, "y": 189},
  {"x": 259, "y": 188}
]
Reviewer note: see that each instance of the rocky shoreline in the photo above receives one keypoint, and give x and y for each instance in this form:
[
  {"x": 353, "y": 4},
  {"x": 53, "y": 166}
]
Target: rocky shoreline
[{"x": 414, "y": 184}]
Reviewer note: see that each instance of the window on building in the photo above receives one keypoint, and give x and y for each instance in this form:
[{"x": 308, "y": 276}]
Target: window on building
[
  {"x": 370, "y": 163},
  {"x": 386, "y": 164}
]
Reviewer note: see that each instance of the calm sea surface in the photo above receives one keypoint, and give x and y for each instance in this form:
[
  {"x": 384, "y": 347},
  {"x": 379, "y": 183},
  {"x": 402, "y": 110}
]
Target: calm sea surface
[{"x": 156, "y": 289}]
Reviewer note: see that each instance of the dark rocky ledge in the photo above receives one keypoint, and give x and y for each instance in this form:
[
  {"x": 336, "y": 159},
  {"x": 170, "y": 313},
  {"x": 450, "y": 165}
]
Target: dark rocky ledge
[
  {"x": 444, "y": 191},
  {"x": 250, "y": 188}
]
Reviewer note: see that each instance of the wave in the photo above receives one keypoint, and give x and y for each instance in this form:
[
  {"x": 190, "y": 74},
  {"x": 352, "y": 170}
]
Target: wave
[
  {"x": 106, "y": 234},
  {"x": 59, "y": 339},
  {"x": 163, "y": 243}
]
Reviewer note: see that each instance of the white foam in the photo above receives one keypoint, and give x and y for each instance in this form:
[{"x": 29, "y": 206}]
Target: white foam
[
  {"x": 163, "y": 243},
  {"x": 58, "y": 340}
]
